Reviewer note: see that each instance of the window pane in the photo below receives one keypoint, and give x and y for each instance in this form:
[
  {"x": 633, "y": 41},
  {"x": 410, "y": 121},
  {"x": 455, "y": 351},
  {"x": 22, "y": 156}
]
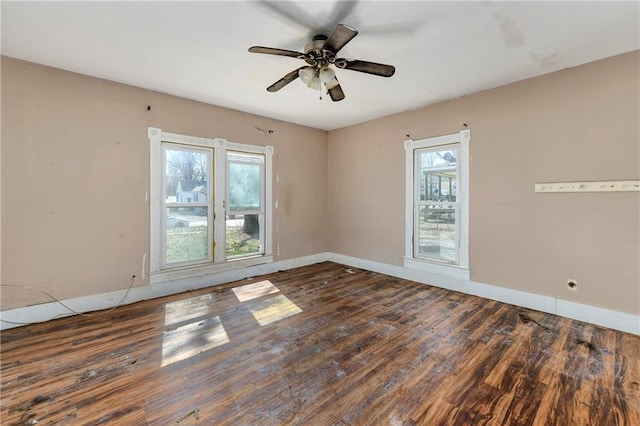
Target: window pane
[
  {"x": 437, "y": 158},
  {"x": 437, "y": 232},
  {"x": 243, "y": 235},
  {"x": 187, "y": 234},
  {"x": 437, "y": 174},
  {"x": 439, "y": 186},
  {"x": 186, "y": 175},
  {"x": 245, "y": 182}
]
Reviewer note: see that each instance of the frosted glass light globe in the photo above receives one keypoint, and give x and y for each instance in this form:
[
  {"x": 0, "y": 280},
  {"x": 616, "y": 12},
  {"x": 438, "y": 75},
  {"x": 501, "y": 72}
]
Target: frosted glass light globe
[
  {"x": 315, "y": 83},
  {"x": 327, "y": 74},
  {"x": 306, "y": 74}
]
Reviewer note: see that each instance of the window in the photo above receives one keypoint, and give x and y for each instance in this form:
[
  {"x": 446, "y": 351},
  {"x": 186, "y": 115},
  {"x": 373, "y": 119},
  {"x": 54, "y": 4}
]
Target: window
[
  {"x": 209, "y": 204},
  {"x": 245, "y": 212},
  {"x": 437, "y": 214},
  {"x": 186, "y": 237}
]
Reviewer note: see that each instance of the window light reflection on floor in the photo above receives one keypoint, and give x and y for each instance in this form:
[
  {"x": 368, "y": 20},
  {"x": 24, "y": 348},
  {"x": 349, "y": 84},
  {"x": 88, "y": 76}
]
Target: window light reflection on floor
[
  {"x": 269, "y": 309},
  {"x": 191, "y": 339},
  {"x": 205, "y": 332},
  {"x": 187, "y": 309},
  {"x": 255, "y": 290},
  {"x": 274, "y": 309}
]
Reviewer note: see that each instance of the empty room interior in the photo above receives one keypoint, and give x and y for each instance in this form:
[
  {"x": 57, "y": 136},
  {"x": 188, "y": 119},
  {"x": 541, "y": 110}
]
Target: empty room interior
[{"x": 320, "y": 213}]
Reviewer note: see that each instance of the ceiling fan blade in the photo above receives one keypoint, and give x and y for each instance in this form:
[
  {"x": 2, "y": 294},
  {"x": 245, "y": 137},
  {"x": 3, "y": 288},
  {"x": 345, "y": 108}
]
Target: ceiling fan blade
[
  {"x": 274, "y": 51},
  {"x": 339, "y": 37},
  {"x": 368, "y": 67},
  {"x": 336, "y": 93},
  {"x": 284, "y": 80}
]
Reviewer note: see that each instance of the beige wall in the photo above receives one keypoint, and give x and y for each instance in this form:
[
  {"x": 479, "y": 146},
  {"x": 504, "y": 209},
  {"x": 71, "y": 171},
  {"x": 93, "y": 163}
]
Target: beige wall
[
  {"x": 75, "y": 171},
  {"x": 0, "y": 179},
  {"x": 578, "y": 124}
]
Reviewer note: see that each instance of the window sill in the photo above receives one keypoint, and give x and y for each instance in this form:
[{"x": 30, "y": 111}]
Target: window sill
[
  {"x": 438, "y": 268},
  {"x": 160, "y": 277}
]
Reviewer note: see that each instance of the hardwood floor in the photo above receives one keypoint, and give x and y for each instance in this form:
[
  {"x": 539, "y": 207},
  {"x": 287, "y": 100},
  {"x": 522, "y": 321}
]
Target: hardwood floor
[{"x": 320, "y": 345}]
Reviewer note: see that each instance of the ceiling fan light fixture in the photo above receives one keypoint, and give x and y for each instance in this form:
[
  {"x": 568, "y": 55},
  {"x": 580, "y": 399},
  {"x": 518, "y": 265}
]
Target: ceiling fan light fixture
[
  {"x": 307, "y": 74},
  {"x": 327, "y": 75},
  {"x": 315, "y": 83}
]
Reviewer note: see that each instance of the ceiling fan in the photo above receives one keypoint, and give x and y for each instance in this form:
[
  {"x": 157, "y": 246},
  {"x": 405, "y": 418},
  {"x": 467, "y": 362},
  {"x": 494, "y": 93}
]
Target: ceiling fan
[{"x": 320, "y": 54}]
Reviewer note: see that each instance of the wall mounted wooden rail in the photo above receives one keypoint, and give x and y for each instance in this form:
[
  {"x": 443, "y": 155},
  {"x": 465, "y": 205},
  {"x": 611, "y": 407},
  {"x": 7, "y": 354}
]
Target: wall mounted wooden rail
[{"x": 600, "y": 186}]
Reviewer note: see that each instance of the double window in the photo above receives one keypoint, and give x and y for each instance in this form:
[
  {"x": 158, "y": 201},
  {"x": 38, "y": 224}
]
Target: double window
[
  {"x": 210, "y": 203},
  {"x": 437, "y": 218}
]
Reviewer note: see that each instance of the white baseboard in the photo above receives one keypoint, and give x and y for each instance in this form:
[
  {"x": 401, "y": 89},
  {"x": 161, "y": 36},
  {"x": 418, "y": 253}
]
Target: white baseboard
[
  {"x": 592, "y": 314},
  {"x": 48, "y": 311},
  {"x": 622, "y": 321}
]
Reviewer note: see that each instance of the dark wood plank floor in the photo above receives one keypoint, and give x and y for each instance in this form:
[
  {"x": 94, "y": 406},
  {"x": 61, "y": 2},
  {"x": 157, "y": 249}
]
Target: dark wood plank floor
[{"x": 320, "y": 345}]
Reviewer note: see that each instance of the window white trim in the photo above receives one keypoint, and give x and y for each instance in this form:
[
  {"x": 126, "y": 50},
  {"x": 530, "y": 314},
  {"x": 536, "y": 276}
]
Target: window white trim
[
  {"x": 155, "y": 198},
  {"x": 410, "y": 261},
  {"x": 220, "y": 189},
  {"x": 158, "y": 273}
]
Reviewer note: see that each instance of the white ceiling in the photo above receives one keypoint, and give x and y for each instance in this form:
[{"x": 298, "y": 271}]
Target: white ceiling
[{"x": 198, "y": 50}]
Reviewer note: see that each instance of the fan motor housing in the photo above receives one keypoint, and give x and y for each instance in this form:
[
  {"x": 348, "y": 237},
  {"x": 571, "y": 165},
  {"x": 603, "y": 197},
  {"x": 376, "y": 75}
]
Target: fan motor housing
[
  {"x": 317, "y": 56},
  {"x": 315, "y": 45}
]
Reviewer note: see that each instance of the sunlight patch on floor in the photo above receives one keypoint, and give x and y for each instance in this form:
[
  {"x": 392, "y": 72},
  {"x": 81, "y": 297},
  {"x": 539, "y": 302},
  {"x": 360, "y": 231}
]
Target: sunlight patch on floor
[
  {"x": 274, "y": 309},
  {"x": 255, "y": 290},
  {"x": 191, "y": 339},
  {"x": 187, "y": 309}
]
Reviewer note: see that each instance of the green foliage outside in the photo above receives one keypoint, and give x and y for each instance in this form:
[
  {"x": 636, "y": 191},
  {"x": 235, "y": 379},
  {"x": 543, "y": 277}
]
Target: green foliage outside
[
  {"x": 239, "y": 242},
  {"x": 187, "y": 243},
  {"x": 190, "y": 243}
]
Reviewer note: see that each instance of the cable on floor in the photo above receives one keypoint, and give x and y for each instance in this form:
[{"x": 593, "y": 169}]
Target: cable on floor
[{"x": 55, "y": 299}]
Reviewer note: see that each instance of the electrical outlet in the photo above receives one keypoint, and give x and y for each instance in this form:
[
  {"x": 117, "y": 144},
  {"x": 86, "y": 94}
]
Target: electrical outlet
[{"x": 572, "y": 285}]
